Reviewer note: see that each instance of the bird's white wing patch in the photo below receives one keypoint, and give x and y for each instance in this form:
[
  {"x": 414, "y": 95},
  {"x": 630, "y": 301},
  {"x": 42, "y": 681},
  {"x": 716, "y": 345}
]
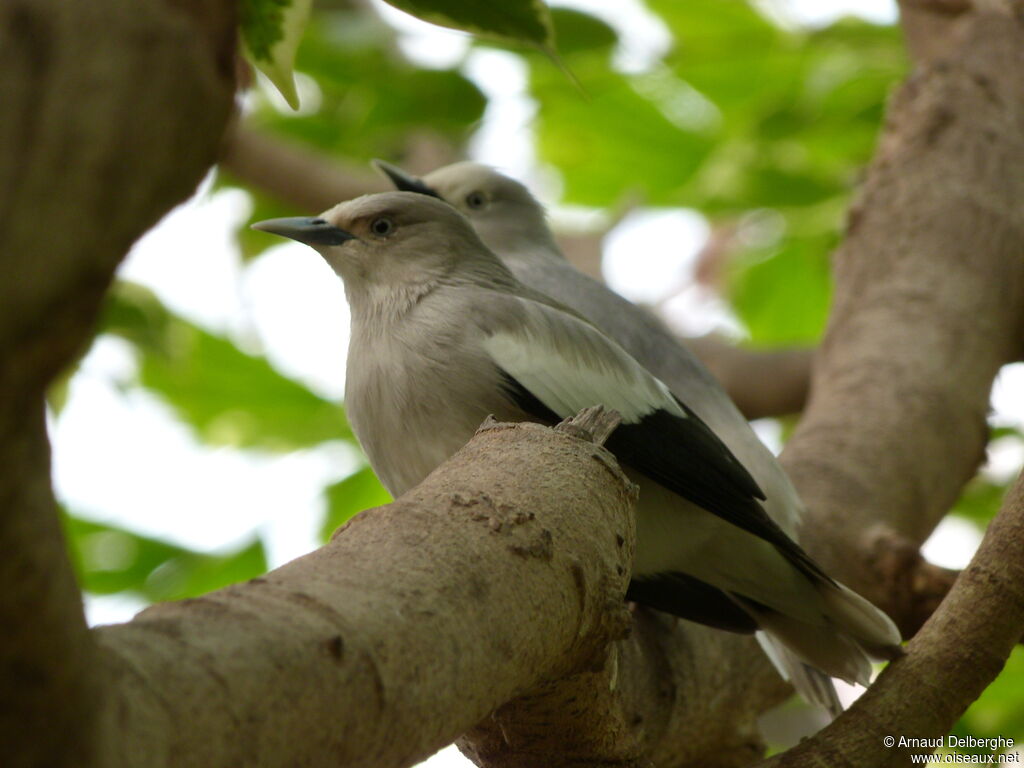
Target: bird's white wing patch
[{"x": 568, "y": 365}]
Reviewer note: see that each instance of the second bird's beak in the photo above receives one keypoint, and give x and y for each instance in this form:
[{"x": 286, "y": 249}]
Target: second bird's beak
[
  {"x": 311, "y": 231},
  {"x": 403, "y": 181}
]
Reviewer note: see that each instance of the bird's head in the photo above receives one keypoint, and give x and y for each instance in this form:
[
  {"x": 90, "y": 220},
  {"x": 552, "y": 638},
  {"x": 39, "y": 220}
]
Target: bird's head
[
  {"x": 391, "y": 240},
  {"x": 503, "y": 212}
]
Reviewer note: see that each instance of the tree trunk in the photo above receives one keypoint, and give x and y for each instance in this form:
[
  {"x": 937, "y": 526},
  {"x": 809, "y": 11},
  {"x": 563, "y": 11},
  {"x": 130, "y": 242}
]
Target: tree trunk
[{"x": 110, "y": 116}]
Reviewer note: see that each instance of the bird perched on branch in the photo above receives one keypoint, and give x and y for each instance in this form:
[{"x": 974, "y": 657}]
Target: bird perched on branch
[
  {"x": 444, "y": 334},
  {"x": 513, "y": 225}
]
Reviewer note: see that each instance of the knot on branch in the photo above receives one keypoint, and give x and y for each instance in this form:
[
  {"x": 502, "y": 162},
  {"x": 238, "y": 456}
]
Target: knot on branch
[
  {"x": 594, "y": 424},
  {"x": 913, "y": 586}
]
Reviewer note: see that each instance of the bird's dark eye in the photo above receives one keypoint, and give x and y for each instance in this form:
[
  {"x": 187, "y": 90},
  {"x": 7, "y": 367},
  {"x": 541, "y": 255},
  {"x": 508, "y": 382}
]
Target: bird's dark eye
[
  {"x": 475, "y": 200},
  {"x": 382, "y": 226}
]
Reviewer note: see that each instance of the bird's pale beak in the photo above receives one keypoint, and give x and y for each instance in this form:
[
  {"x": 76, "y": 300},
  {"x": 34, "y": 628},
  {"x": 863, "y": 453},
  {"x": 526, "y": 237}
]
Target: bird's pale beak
[
  {"x": 403, "y": 181},
  {"x": 305, "y": 229}
]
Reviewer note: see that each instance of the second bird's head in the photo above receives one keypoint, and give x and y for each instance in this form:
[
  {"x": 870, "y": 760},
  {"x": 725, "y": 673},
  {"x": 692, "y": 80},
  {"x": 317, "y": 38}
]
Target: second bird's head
[
  {"x": 387, "y": 239},
  {"x": 503, "y": 212}
]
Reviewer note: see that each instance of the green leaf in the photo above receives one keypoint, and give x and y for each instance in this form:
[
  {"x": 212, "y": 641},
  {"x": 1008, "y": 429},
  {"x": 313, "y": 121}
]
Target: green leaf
[
  {"x": 577, "y": 32},
  {"x": 372, "y": 101},
  {"x": 272, "y": 30},
  {"x": 229, "y": 397},
  {"x": 347, "y": 498},
  {"x": 524, "y": 21},
  {"x": 980, "y": 501},
  {"x": 112, "y": 559},
  {"x": 997, "y": 433},
  {"x": 60, "y": 388},
  {"x": 798, "y": 112},
  {"x": 999, "y": 711},
  {"x": 618, "y": 142},
  {"x": 783, "y": 296}
]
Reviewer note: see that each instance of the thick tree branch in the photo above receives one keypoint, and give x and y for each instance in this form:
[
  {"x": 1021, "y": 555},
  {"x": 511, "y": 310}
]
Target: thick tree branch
[
  {"x": 90, "y": 157},
  {"x": 929, "y": 26},
  {"x": 762, "y": 382},
  {"x": 419, "y": 618},
  {"x": 308, "y": 181},
  {"x": 670, "y": 698},
  {"x": 957, "y": 653},
  {"x": 424, "y": 617},
  {"x": 929, "y": 304}
]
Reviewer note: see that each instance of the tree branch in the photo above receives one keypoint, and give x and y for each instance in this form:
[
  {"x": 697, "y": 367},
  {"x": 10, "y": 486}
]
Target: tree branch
[
  {"x": 762, "y": 382},
  {"x": 321, "y": 661},
  {"x": 957, "y": 653},
  {"x": 929, "y": 304},
  {"x": 418, "y": 618},
  {"x": 90, "y": 157},
  {"x": 308, "y": 181}
]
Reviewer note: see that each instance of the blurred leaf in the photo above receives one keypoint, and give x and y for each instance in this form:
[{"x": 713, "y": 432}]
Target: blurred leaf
[
  {"x": 111, "y": 559},
  {"x": 1000, "y": 709},
  {"x": 980, "y": 501},
  {"x": 577, "y": 31},
  {"x": 998, "y": 433},
  {"x": 628, "y": 137},
  {"x": 524, "y": 21},
  {"x": 228, "y": 396},
  {"x": 799, "y": 111},
  {"x": 371, "y": 99},
  {"x": 616, "y": 142},
  {"x": 347, "y": 498},
  {"x": 743, "y": 115},
  {"x": 727, "y": 50},
  {"x": 272, "y": 30},
  {"x": 783, "y": 298}
]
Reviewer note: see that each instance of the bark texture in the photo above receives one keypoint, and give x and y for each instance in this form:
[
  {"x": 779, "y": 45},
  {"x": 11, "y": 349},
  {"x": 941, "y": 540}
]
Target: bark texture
[
  {"x": 418, "y": 619},
  {"x": 957, "y": 653},
  {"x": 929, "y": 304},
  {"x": 762, "y": 382},
  {"x": 90, "y": 157}
]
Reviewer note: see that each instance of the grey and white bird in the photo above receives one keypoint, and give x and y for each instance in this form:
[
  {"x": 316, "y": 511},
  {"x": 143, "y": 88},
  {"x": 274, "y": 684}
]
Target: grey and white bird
[
  {"x": 444, "y": 334},
  {"x": 512, "y": 223}
]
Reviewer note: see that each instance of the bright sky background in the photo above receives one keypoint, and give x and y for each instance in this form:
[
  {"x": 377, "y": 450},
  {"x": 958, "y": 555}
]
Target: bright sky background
[{"x": 119, "y": 454}]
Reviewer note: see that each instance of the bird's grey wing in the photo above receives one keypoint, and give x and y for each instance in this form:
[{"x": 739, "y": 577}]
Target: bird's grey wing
[
  {"x": 647, "y": 339},
  {"x": 553, "y": 364}
]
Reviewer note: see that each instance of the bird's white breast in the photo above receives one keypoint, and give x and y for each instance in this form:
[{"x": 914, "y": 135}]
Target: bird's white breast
[{"x": 415, "y": 396}]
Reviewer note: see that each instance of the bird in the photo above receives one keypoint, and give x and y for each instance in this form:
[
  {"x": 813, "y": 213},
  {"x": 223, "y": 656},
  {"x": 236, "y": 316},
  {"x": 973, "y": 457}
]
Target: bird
[
  {"x": 513, "y": 224},
  {"x": 444, "y": 334}
]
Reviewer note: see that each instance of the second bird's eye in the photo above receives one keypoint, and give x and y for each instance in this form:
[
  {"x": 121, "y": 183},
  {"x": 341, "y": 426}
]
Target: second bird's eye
[
  {"x": 475, "y": 200},
  {"x": 382, "y": 226}
]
